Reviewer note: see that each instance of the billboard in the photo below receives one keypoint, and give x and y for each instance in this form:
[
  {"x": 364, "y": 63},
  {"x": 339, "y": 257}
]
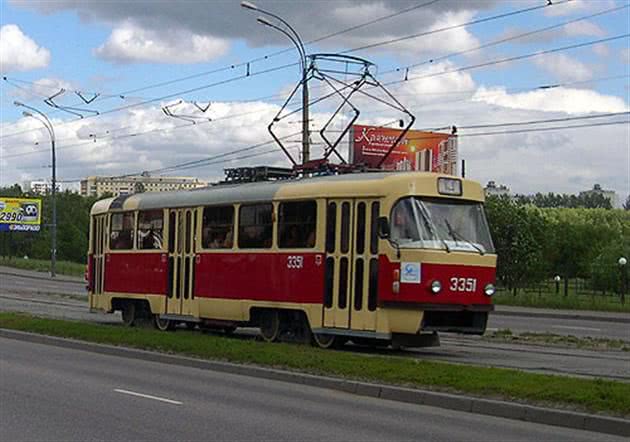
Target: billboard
[
  {"x": 20, "y": 214},
  {"x": 418, "y": 150}
]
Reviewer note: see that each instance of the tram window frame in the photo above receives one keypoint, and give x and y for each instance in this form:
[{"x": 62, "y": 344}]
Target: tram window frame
[
  {"x": 210, "y": 227},
  {"x": 130, "y": 241},
  {"x": 259, "y": 212},
  {"x": 155, "y": 224},
  {"x": 331, "y": 226},
  {"x": 299, "y": 217}
]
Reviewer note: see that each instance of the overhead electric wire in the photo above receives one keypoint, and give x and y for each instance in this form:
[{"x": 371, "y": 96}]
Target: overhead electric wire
[
  {"x": 166, "y": 97},
  {"x": 457, "y": 26},
  {"x": 509, "y": 59},
  {"x": 174, "y": 168},
  {"x": 124, "y": 94},
  {"x": 166, "y": 129},
  {"x": 546, "y": 86},
  {"x": 245, "y": 63},
  {"x": 222, "y": 155},
  {"x": 510, "y": 38},
  {"x": 208, "y": 162},
  {"x": 549, "y": 120}
]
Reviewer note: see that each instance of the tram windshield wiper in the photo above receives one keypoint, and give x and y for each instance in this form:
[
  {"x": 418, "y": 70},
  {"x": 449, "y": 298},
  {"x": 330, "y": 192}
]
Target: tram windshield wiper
[
  {"x": 455, "y": 235},
  {"x": 426, "y": 217}
]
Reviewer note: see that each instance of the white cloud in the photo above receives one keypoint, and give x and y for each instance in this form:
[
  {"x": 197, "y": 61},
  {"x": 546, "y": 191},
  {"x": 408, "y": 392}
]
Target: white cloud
[
  {"x": 227, "y": 20},
  {"x": 564, "y": 67},
  {"x": 42, "y": 88},
  {"x": 601, "y": 49},
  {"x": 130, "y": 43},
  {"x": 454, "y": 40},
  {"x": 583, "y": 28},
  {"x": 18, "y": 52},
  {"x": 561, "y": 99},
  {"x": 625, "y": 55},
  {"x": 421, "y": 91},
  {"x": 559, "y": 161},
  {"x": 576, "y": 6}
]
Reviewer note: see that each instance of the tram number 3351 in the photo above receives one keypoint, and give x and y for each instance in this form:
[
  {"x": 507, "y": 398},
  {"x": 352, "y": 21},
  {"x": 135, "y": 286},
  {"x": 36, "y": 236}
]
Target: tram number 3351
[
  {"x": 295, "y": 262},
  {"x": 463, "y": 284}
]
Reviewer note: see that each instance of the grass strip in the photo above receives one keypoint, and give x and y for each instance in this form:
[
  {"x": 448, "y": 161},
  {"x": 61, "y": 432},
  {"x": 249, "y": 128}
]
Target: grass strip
[
  {"x": 43, "y": 265},
  {"x": 559, "y": 301},
  {"x": 591, "y": 395}
]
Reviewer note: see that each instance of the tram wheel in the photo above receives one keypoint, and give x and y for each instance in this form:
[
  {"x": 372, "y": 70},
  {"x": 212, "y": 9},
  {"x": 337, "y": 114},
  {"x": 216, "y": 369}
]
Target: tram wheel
[
  {"x": 229, "y": 330},
  {"x": 129, "y": 315},
  {"x": 163, "y": 324},
  {"x": 325, "y": 341},
  {"x": 270, "y": 325}
]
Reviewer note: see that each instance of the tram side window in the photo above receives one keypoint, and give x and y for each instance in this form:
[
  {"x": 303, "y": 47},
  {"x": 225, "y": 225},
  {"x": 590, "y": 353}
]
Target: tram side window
[
  {"x": 255, "y": 226},
  {"x": 217, "y": 228},
  {"x": 297, "y": 224},
  {"x": 150, "y": 227},
  {"x": 122, "y": 232}
]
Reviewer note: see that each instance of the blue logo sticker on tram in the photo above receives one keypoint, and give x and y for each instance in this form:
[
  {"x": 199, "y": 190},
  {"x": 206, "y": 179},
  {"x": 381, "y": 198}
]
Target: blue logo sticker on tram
[{"x": 410, "y": 272}]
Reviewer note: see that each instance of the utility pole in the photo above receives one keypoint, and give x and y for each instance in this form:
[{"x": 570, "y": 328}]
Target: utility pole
[
  {"x": 42, "y": 118},
  {"x": 297, "y": 41}
]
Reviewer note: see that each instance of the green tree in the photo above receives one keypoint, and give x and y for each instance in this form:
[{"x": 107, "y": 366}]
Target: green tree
[
  {"x": 519, "y": 234},
  {"x": 73, "y": 221}
]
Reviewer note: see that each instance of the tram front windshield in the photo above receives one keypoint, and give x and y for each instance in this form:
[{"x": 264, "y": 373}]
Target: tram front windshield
[{"x": 440, "y": 223}]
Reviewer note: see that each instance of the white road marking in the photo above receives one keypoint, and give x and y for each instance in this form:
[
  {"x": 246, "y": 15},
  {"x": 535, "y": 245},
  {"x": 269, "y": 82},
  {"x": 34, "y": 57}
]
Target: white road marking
[
  {"x": 148, "y": 396},
  {"x": 492, "y": 330},
  {"x": 576, "y": 328}
]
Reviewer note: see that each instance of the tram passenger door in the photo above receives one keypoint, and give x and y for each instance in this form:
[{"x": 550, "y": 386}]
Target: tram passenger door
[
  {"x": 338, "y": 267},
  {"x": 364, "y": 265},
  {"x": 181, "y": 261},
  {"x": 99, "y": 232}
]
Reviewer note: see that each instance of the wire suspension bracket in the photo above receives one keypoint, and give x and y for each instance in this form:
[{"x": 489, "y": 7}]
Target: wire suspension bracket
[{"x": 344, "y": 77}]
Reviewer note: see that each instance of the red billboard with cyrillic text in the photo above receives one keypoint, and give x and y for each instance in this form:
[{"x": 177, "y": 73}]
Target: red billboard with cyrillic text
[{"x": 417, "y": 150}]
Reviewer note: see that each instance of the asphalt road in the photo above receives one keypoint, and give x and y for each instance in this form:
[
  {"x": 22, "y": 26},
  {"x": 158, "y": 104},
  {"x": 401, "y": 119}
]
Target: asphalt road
[
  {"x": 51, "y": 393},
  {"x": 575, "y": 327},
  {"x": 16, "y": 280},
  {"x": 26, "y": 295}
]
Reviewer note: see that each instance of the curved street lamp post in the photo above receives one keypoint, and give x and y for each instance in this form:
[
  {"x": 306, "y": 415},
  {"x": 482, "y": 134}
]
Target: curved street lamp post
[
  {"x": 297, "y": 41},
  {"x": 42, "y": 118}
]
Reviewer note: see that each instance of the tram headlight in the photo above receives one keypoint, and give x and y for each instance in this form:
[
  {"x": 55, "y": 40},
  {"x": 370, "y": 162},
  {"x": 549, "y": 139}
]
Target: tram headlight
[
  {"x": 436, "y": 287},
  {"x": 489, "y": 289}
]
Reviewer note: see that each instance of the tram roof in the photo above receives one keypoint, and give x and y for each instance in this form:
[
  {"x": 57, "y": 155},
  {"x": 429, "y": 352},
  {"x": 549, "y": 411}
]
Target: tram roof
[{"x": 360, "y": 185}]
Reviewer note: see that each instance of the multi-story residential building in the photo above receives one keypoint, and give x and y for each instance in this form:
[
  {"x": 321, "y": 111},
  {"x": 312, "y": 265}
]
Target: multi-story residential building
[
  {"x": 100, "y": 185},
  {"x": 610, "y": 195},
  {"x": 494, "y": 189},
  {"x": 40, "y": 187}
]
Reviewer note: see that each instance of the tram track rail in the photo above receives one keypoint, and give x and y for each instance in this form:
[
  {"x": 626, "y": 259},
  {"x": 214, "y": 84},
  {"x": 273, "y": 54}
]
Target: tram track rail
[{"x": 459, "y": 350}]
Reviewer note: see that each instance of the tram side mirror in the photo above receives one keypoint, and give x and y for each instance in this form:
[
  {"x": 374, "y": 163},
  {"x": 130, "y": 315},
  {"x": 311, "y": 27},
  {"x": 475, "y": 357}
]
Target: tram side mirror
[{"x": 383, "y": 227}]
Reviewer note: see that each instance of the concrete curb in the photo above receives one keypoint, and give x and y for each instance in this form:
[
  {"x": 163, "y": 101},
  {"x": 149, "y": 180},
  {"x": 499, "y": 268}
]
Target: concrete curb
[
  {"x": 573, "y": 315},
  {"x": 44, "y": 278},
  {"x": 509, "y": 410}
]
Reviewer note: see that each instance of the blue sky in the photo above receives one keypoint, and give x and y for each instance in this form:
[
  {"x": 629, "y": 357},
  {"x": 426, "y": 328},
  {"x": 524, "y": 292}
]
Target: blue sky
[{"x": 73, "y": 32}]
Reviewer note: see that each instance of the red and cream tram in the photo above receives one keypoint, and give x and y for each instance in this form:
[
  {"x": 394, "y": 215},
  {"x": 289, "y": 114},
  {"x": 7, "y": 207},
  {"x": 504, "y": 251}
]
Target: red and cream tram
[{"x": 368, "y": 257}]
